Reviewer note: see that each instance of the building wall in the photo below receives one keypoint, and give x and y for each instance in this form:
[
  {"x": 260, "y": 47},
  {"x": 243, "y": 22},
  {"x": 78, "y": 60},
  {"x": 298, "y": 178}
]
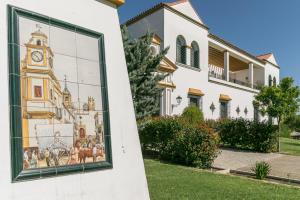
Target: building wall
[
  {"x": 175, "y": 25},
  {"x": 152, "y": 23},
  {"x": 273, "y": 71},
  {"x": 212, "y": 93},
  {"x": 186, "y": 77},
  {"x": 126, "y": 181}
]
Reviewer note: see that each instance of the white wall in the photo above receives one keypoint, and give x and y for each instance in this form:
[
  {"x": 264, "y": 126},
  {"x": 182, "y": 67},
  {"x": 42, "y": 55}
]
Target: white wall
[
  {"x": 175, "y": 25},
  {"x": 258, "y": 75},
  {"x": 152, "y": 23},
  {"x": 187, "y": 9},
  {"x": 126, "y": 181},
  {"x": 242, "y": 74},
  {"x": 273, "y": 71},
  {"x": 186, "y": 78},
  {"x": 212, "y": 93}
]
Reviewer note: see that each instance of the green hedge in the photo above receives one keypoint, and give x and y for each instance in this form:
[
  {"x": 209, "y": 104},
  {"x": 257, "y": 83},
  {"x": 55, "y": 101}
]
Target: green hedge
[
  {"x": 177, "y": 141},
  {"x": 246, "y": 134}
]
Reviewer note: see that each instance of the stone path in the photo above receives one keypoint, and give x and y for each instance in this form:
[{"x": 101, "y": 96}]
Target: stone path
[{"x": 281, "y": 165}]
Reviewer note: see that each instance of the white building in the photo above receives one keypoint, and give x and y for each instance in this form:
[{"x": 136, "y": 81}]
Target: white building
[{"x": 205, "y": 70}]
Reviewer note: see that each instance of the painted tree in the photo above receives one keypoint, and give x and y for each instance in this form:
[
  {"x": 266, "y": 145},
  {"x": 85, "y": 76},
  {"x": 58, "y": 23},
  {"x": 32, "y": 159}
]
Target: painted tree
[
  {"x": 143, "y": 73},
  {"x": 280, "y": 101}
]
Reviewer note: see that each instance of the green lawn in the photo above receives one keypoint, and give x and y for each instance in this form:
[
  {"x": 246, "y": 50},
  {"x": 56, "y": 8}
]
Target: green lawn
[
  {"x": 173, "y": 182},
  {"x": 290, "y": 146}
]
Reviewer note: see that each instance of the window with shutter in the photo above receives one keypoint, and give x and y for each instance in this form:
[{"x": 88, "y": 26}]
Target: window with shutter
[
  {"x": 270, "y": 80},
  {"x": 181, "y": 50},
  {"x": 274, "y": 81},
  {"x": 195, "y": 55}
]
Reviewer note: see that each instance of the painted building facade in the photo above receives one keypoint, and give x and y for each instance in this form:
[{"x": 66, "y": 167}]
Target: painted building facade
[{"x": 203, "y": 69}]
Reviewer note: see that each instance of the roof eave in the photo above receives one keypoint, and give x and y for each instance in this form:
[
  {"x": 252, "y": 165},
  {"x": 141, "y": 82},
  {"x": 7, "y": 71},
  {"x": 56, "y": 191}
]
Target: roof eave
[
  {"x": 158, "y": 7},
  {"x": 235, "y": 47},
  {"x": 117, "y": 2}
]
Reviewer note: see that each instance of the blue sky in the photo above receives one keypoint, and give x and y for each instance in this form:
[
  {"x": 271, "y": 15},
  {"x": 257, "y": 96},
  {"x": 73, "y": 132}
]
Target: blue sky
[{"x": 257, "y": 26}]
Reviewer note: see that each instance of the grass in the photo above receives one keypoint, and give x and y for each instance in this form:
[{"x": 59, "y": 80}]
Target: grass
[
  {"x": 290, "y": 146},
  {"x": 173, "y": 182}
]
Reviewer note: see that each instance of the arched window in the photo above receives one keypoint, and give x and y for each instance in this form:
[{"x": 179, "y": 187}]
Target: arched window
[
  {"x": 38, "y": 42},
  {"x": 181, "y": 50},
  {"x": 270, "y": 80},
  {"x": 195, "y": 55},
  {"x": 274, "y": 81}
]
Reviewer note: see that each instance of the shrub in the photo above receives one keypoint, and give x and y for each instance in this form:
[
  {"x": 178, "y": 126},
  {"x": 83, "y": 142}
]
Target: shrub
[
  {"x": 261, "y": 170},
  {"x": 262, "y": 137},
  {"x": 193, "y": 146},
  {"x": 155, "y": 132},
  {"x": 246, "y": 134},
  {"x": 193, "y": 115},
  {"x": 178, "y": 141}
]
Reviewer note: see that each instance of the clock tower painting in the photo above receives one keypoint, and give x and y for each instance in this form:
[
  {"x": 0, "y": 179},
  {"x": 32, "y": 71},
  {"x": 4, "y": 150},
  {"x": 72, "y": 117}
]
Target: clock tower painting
[
  {"x": 62, "y": 120},
  {"x": 38, "y": 52}
]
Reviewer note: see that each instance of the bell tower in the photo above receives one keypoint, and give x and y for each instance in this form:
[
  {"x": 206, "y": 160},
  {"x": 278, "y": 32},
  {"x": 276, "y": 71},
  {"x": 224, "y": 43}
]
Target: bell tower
[
  {"x": 38, "y": 53},
  {"x": 67, "y": 97},
  {"x": 91, "y": 104}
]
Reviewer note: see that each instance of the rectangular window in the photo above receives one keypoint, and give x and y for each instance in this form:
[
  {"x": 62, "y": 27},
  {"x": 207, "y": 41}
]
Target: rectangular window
[
  {"x": 256, "y": 114},
  {"x": 196, "y": 101},
  {"x": 77, "y": 142},
  {"x": 224, "y": 110},
  {"x": 37, "y": 91}
]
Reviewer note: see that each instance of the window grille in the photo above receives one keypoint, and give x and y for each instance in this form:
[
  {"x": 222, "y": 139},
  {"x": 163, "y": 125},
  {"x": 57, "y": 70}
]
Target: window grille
[
  {"x": 181, "y": 50},
  {"x": 195, "y": 55}
]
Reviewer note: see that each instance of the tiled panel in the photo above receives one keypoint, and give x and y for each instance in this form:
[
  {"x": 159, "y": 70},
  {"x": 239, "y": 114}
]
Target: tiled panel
[
  {"x": 65, "y": 67},
  {"x": 69, "y": 88},
  {"x": 88, "y": 72},
  {"x": 56, "y": 99},
  {"x": 28, "y": 27},
  {"x": 37, "y": 124},
  {"x": 90, "y": 95},
  {"x": 62, "y": 41},
  {"x": 87, "y": 47},
  {"x": 46, "y": 151}
]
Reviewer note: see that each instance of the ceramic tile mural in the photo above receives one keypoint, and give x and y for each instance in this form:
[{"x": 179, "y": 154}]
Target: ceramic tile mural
[{"x": 61, "y": 99}]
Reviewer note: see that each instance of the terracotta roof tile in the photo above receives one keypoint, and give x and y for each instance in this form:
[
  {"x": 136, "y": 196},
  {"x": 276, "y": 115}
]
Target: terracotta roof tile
[{"x": 264, "y": 56}]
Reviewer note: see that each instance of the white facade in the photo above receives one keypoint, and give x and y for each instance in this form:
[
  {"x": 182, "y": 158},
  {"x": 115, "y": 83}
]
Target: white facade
[
  {"x": 225, "y": 73},
  {"x": 126, "y": 180}
]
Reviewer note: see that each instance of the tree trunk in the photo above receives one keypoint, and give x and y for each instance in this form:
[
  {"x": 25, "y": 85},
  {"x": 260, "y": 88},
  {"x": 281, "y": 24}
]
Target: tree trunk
[{"x": 278, "y": 138}]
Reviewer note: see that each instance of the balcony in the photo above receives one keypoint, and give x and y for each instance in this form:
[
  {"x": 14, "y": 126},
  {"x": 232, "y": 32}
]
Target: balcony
[
  {"x": 234, "y": 70},
  {"x": 218, "y": 73}
]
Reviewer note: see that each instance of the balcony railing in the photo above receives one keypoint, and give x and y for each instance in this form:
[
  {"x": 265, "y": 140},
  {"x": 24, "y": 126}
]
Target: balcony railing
[
  {"x": 239, "y": 82},
  {"x": 218, "y": 73}
]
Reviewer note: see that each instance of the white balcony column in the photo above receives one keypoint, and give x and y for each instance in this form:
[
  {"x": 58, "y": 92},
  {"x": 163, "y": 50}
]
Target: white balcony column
[
  {"x": 226, "y": 65},
  {"x": 250, "y": 76}
]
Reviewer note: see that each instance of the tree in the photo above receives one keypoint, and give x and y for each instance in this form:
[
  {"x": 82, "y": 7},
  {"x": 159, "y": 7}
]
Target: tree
[
  {"x": 280, "y": 101},
  {"x": 142, "y": 67},
  {"x": 293, "y": 123}
]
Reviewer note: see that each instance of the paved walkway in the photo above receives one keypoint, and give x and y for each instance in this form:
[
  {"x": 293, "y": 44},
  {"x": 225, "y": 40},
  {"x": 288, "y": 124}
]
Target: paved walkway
[{"x": 281, "y": 165}]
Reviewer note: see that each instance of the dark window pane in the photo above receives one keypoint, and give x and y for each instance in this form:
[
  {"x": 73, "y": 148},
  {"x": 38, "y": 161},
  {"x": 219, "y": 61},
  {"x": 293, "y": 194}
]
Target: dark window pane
[
  {"x": 194, "y": 101},
  {"x": 224, "y": 110}
]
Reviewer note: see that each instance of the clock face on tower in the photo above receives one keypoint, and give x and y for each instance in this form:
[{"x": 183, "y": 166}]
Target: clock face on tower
[{"x": 37, "y": 56}]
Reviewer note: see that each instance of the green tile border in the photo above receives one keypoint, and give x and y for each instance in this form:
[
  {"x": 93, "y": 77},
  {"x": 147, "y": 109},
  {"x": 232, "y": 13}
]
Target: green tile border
[{"x": 17, "y": 172}]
